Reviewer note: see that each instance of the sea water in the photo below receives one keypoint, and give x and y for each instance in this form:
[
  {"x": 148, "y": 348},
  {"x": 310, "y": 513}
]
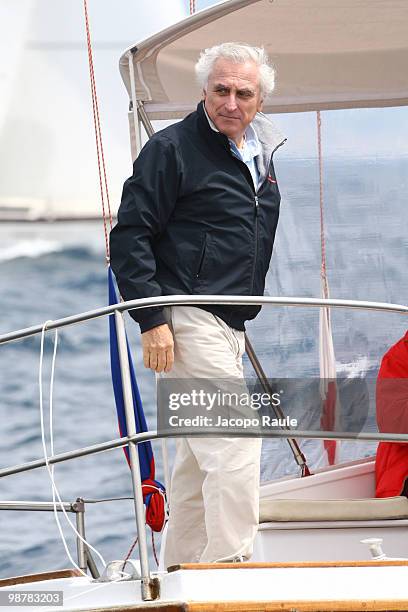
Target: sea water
[{"x": 53, "y": 270}]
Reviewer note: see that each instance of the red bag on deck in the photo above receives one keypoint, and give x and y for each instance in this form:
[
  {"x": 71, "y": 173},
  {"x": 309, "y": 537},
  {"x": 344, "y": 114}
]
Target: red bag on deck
[{"x": 391, "y": 465}]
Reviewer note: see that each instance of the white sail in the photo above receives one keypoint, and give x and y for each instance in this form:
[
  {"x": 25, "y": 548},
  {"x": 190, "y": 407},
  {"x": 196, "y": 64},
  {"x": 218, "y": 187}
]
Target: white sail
[{"x": 47, "y": 144}]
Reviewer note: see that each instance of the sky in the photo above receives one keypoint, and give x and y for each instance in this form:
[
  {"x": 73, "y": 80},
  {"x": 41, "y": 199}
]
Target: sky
[
  {"x": 47, "y": 149},
  {"x": 47, "y": 142}
]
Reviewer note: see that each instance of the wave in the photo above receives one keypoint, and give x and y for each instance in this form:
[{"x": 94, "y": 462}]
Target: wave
[
  {"x": 30, "y": 248},
  {"x": 34, "y": 249},
  {"x": 81, "y": 252}
]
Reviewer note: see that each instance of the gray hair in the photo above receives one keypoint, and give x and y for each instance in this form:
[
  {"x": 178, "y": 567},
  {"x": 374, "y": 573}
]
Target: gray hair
[{"x": 238, "y": 53}]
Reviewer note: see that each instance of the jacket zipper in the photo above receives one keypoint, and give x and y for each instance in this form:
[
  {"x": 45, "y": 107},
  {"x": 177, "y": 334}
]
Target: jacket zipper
[
  {"x": 256, "y": 242},
  {"x": 256, "y": 221},
  {"x": 256, "y": 208},
  {"x": 256, "y": 200}
]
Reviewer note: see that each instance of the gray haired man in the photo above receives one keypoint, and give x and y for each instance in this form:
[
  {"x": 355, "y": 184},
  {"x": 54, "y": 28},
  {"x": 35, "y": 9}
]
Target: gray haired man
[{"x": 199, "y": 216}]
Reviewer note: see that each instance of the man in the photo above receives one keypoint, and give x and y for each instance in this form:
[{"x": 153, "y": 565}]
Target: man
[{"x": 199, "y": 216}]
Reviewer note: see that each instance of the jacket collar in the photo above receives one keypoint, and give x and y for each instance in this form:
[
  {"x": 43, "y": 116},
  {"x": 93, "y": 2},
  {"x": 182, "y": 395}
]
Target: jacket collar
[
  {"x": 269, "y": 136},
  {"x": 208, "y": 130}
]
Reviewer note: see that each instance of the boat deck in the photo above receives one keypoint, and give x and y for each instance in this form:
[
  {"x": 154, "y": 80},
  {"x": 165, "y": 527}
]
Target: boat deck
[{"x": 236, "y": 587}]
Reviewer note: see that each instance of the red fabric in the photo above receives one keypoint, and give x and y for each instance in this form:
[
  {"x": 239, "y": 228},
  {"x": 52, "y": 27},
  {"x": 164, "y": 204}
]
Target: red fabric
[
  {"x": 155, "y": 506},
  {"x": 328, "y": 420},
  {"x": 391, "y": 465}
]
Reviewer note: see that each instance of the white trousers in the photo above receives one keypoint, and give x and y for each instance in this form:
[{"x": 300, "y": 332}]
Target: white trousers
[{"x": 214, "y": 494}]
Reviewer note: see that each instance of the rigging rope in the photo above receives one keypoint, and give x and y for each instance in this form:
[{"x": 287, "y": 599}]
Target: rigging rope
[
  {"x": 323, "y": 270},
  {"x": 131, "y": 549},
  {"x": 153, "y": 494},
  {"x": 154, "y": 549},
  {"x": 103, "y": 182},
  {"x": 192, "y": 7},
  {"x": 328, "y": 386}
]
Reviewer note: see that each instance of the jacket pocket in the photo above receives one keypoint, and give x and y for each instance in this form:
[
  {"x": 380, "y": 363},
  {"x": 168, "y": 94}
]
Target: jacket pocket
[{"x": 201, "y": 259}]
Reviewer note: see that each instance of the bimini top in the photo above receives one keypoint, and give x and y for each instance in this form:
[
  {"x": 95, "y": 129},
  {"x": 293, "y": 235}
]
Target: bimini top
[{"x": 328, "y": 54}]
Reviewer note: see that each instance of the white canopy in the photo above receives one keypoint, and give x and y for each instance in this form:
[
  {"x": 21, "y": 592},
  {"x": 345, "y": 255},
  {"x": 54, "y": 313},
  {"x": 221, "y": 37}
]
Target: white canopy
[{"x": 328, "y": 54}]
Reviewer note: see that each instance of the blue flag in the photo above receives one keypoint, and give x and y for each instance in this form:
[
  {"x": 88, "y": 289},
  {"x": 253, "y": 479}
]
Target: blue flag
[{"x": 146, "y": 458}]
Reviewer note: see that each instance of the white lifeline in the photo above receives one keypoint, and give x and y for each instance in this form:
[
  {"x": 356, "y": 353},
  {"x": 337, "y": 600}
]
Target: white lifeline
[{"x": 214, "y": 495}]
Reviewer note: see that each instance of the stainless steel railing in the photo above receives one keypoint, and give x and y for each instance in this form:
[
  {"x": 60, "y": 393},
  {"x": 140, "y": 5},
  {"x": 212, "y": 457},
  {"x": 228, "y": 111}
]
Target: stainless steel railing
[
  {"x": 85, "y": 559},
  {"x": 148, "y": 584},
  {"x": 172, "y": 300}
]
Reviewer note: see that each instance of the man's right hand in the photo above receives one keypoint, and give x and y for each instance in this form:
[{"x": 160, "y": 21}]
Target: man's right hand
[{"x": 158, "y": 348}]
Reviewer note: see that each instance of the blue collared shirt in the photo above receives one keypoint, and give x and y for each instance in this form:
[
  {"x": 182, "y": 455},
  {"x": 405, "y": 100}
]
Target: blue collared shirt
[{"x": 248, "y": 153}]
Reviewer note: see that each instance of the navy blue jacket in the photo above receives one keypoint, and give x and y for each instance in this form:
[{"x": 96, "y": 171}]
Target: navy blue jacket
[{"x": 191, "y": 221}]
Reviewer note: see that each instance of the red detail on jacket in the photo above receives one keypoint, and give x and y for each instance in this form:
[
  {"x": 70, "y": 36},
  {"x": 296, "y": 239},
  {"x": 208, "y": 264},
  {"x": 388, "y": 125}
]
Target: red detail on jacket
[{"x": 391, "y": 465}]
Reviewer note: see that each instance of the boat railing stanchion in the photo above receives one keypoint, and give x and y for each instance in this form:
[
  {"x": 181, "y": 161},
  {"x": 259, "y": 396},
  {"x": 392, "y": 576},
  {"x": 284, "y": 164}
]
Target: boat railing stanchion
[
  {"x": 79, "y": 509},
  {"x": 148, "y": 590},
  {"x": 93, "y": 568},
  {"x": 85, "y": 559},
  {"x": 136, "y": 144}
]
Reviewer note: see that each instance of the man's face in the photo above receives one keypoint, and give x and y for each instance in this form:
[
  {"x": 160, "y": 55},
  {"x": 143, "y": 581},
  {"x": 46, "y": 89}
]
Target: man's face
[{"x": 233, "y": 97}]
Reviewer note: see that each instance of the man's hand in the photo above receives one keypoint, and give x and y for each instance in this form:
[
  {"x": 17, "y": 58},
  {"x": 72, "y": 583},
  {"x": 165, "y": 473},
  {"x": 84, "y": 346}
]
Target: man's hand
[{"x": 158, "y": 348}]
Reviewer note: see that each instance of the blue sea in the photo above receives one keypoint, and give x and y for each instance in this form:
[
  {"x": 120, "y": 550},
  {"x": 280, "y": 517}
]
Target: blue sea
[{"x": 50, "y": 270}]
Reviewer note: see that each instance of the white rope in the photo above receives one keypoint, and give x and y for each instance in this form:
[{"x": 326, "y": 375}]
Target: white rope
[
  {"x": 50, "y": 468},
  {"x": 162, "y": 493}
]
